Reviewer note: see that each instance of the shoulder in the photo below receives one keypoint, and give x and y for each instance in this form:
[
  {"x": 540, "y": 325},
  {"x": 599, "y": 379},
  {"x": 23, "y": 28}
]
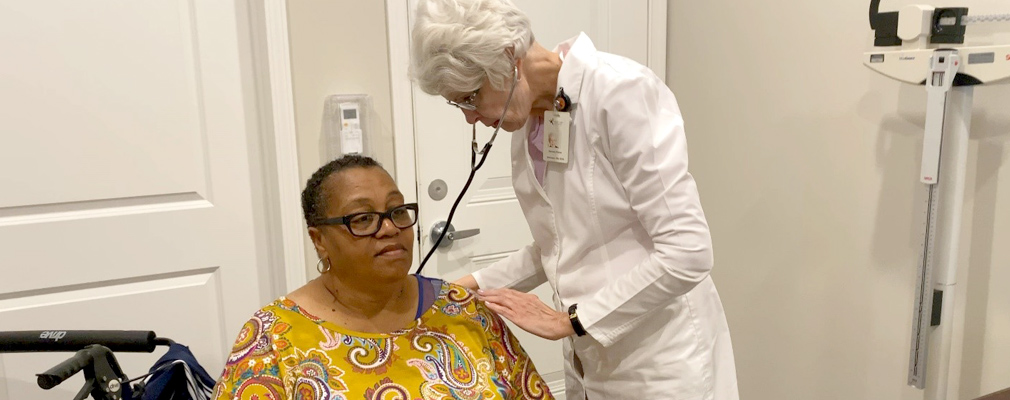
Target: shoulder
[
  {"x": 453, "y": 294},
  {"x": 262, "y": 319},
  {"x": 603, "y": 66},
  {"x": 264, "y": 332},
  {"x": 623, "y": 87},
  {"x": 476, "y": 311},
  {"x": 614, "y": 72},
  {"x": 280, "y": 311},
  {"x": 254, "y": 356},
  {"x": 458, "y": 302},
  {"x": 604, "y": 72}
]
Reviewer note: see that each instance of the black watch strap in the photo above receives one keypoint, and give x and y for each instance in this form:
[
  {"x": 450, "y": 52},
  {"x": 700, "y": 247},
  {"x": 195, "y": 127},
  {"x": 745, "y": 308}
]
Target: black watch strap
[{"x": 573, "y": 317}]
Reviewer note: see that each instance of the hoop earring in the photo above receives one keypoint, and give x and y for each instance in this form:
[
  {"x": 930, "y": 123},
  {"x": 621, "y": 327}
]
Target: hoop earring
[{"x": 320, "y": 268}]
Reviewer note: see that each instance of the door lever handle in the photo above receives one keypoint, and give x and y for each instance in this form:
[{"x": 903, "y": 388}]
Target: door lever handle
[
  {"x": 451, "y": 234},
  {"x": 462, "y": 234}
]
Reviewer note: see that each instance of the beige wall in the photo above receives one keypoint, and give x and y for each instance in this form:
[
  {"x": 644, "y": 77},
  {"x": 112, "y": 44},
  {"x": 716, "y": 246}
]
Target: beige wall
[
  {"x": 807, "y": 163},
  {"x": 338, "y": 47}
]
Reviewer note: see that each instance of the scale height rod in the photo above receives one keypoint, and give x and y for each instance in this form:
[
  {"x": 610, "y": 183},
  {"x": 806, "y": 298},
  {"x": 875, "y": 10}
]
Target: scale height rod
[{"x": 954, "y": 164}]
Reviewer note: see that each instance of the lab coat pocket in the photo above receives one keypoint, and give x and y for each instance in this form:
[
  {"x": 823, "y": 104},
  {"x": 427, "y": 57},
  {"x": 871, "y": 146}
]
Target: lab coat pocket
[{"x": 589, "y": 353}]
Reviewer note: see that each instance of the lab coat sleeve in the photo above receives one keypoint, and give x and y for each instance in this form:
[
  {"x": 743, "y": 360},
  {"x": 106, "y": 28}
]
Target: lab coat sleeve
[
  {"x": 642, "y": 133},
  {"x": 521, "y": 271}
]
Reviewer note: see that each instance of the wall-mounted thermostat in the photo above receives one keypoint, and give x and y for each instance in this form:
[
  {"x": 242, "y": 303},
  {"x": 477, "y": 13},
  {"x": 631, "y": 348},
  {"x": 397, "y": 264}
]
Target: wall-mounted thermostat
[{"x": 345, "y": 125}]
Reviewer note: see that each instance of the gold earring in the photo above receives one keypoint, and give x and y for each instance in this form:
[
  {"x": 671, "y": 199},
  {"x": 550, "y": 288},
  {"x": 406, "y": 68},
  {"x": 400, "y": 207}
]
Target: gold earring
[{"x": 320, "y": 268}]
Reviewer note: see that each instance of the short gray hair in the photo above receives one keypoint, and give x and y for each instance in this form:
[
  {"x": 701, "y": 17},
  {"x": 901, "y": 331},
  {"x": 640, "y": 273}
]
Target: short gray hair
[{"x": 455, "y": 44}]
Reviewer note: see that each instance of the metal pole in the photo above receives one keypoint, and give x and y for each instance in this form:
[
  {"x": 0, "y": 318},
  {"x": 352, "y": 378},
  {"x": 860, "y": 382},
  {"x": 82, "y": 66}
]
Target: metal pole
[{"x": 953, "y": 167}]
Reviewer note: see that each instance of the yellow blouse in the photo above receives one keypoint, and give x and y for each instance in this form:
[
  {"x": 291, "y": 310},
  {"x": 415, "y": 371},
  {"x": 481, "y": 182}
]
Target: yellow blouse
[{"x": 457, "y": 349}]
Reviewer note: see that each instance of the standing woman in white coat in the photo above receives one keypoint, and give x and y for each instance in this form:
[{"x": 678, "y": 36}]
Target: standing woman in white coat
[{"x": 599, "y": 165}]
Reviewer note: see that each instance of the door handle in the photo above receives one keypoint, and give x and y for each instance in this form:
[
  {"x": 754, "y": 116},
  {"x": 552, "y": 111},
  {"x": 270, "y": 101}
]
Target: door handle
[
  {"x": 451, "y": 234},
  {"x": 463, "y": 234}
]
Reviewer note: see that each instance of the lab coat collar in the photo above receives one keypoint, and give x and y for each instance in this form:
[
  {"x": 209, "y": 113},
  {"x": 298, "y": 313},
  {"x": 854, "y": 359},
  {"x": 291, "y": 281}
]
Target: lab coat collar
[{"x": 578, "y": 53}]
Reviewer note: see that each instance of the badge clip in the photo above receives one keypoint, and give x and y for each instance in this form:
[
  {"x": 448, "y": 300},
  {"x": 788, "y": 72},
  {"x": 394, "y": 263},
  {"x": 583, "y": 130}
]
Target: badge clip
[{"x": 562, "y": 102}]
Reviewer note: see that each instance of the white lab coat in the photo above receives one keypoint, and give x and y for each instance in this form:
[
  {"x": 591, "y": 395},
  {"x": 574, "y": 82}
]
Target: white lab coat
[{"x": 620, "y": 231}]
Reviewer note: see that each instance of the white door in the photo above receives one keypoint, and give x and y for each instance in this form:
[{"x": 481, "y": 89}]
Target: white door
[
  {"x": 125, "y": 198},
  {"x": 442, "y": 141}
]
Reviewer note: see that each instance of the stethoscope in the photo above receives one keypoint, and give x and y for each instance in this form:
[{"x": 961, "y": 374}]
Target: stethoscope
[{"x": 474, "y": 166}]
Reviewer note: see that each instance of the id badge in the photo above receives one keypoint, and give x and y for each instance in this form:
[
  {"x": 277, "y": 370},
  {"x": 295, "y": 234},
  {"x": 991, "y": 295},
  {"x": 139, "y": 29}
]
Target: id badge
[{"x": 557, "y": 129}]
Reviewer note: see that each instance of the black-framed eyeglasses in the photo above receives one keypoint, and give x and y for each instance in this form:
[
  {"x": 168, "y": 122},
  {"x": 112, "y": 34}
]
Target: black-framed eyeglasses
[
  {"x": 368, "y": 223},
  {"x": 467, "y": 103}
]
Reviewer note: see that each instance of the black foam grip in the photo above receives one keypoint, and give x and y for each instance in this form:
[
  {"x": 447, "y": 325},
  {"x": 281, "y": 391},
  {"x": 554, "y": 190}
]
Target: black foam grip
[
  {"x": 56, "y": 375},
  {"x": 56, "y": 340}
]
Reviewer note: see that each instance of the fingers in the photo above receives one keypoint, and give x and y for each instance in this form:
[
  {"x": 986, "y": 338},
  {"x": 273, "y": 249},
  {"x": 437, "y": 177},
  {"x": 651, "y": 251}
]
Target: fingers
[
  {"x": 539, "y": 325},
  {"x": 530, "y": 315},
  {"x": 502, "y": 310},
  {"x": 509, "y": 296},
  {"x": 512, "y": 298},
  {"x": 505, "y": 302}
]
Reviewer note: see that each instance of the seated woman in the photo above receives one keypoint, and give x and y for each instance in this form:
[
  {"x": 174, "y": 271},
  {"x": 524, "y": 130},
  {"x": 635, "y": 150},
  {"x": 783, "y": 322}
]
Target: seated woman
[{"x": 366, "y": 328}]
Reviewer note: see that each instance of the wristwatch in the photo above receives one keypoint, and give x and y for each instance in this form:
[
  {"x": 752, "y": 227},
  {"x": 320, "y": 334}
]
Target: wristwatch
[{"x": 573, "y": 317}]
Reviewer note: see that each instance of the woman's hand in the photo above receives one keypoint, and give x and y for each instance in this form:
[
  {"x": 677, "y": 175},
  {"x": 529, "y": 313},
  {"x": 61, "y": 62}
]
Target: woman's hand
[{"x": 528, "y": 312}]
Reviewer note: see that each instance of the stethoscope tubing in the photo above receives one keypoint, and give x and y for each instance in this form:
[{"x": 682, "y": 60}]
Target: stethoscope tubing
[{"x": 474, "y": 166}]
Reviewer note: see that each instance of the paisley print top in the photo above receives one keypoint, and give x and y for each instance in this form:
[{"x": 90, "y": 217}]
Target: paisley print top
[{"x": 458, "y": 349}]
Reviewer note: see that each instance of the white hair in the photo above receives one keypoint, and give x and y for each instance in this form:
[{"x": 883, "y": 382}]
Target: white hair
[{"x": 455, "y": 44}]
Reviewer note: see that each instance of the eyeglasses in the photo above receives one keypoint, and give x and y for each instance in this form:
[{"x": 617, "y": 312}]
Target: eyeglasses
[
  {"x": 467, "y": 103},
  {"x": 368, "y": 223}
]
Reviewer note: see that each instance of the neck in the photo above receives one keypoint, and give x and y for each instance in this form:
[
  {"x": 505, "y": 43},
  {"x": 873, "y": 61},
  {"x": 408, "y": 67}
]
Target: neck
[
  {"x": 364, "y": 300},
  {"x": 541, "y": 68}
]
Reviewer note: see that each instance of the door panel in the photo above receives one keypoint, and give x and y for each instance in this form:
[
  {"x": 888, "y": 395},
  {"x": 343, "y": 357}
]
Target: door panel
[
  {"x": 98, "y": 90},
  {"x": 126, "y": 199},
  {"x": 442, "y": 152},
  {"x": 130, "y": 305}
]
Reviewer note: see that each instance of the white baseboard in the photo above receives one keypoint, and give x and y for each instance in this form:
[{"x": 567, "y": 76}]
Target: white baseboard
[{"x": 557, "y": 388}]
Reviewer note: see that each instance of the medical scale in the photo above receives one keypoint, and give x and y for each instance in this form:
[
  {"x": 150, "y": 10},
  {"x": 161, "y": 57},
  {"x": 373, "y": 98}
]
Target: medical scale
[{"x": 924, "y": 45}]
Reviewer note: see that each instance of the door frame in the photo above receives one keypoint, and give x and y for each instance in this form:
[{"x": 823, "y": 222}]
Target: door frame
[
  {"x": 401, "y": 88},
  {"x": 274, "y": 156}
]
